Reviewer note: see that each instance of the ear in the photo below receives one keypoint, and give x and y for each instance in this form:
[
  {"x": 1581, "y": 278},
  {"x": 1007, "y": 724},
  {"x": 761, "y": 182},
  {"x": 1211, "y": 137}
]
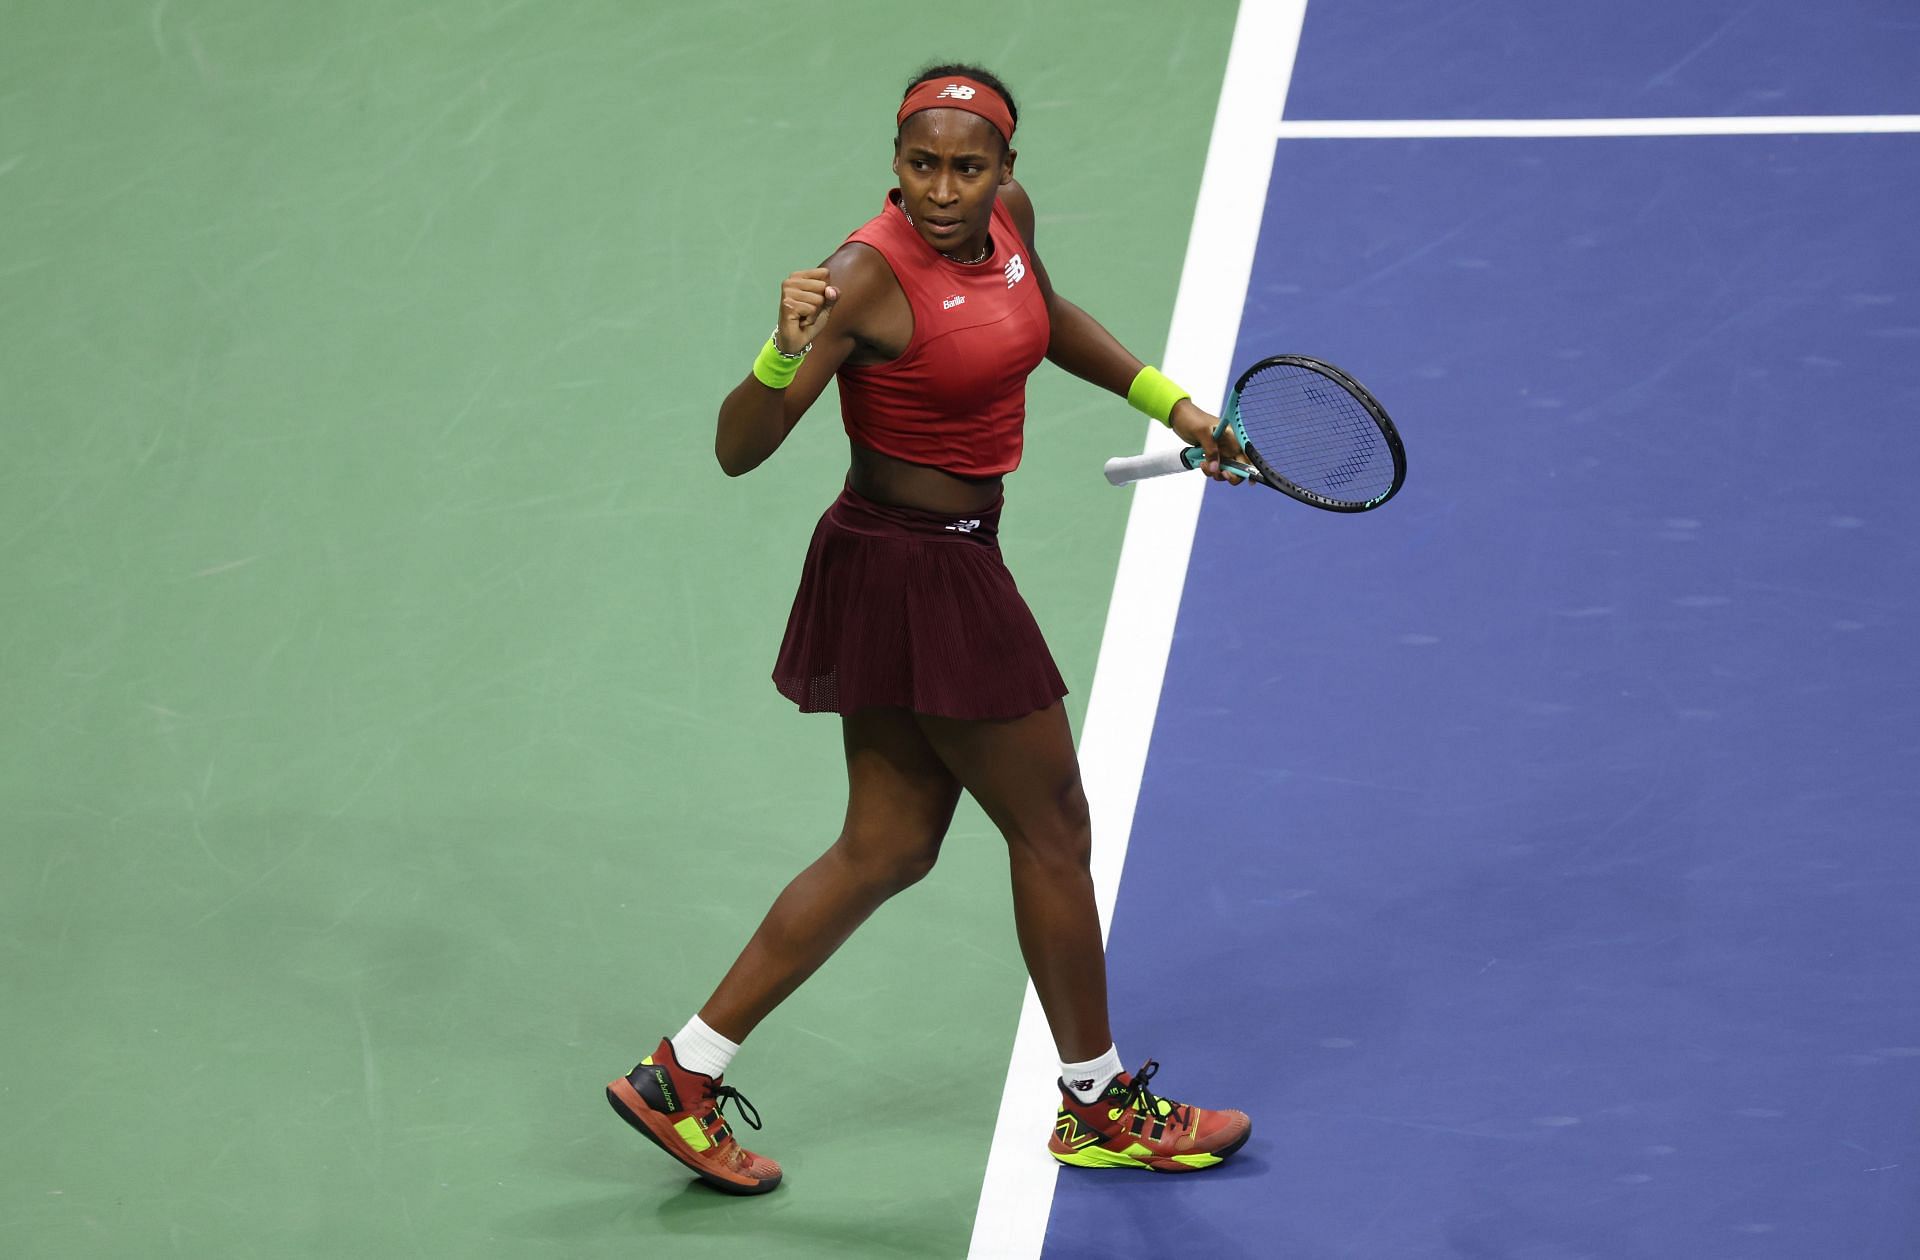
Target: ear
[
  {"x": 896, "y": 157},
  {"x": 1006, "y": 167}
]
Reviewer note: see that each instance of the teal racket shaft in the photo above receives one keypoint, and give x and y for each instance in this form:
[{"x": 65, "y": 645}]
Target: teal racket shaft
[{"x": 1306, "y": 429}]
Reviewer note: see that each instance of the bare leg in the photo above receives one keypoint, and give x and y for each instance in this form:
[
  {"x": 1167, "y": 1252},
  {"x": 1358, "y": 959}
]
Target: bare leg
[
  {"x": 1025, "y": 775},
  {"x": 900, "y": 799}
]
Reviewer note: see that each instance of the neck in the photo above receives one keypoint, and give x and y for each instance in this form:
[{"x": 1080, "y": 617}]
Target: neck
[{"x": 966, "y": 255}]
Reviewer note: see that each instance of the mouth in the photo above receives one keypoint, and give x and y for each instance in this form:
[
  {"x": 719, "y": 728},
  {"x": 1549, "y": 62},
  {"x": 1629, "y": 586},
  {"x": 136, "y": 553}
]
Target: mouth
[{"x": 943, "y": 227}]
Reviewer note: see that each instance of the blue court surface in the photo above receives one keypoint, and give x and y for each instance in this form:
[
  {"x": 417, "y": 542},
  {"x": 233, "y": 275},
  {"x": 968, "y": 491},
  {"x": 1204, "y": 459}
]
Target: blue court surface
[
  {"x": 1623, "y": 58},
  {"x": 1534, "y": 858}
]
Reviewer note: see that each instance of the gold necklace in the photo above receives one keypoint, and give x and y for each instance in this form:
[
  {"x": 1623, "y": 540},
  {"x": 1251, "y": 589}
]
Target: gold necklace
[{"x": 964, "y": 262}]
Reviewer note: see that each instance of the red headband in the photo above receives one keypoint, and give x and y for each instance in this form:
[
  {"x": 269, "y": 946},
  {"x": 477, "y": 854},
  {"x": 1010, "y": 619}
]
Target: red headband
[{"x": 975, "y": 98}]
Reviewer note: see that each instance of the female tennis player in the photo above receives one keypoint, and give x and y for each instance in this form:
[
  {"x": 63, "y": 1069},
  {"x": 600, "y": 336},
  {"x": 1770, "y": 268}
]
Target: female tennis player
[{"x": 908, "y": 625}]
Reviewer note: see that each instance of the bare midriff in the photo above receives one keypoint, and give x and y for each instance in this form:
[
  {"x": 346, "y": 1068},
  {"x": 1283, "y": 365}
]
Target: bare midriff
[{"x": 898, "y": 483}]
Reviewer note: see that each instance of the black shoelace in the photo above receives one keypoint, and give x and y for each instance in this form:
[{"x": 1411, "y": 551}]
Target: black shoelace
[
  {"x": 723, "y": 1094},
  {"x": 1139, "y": 1096}
]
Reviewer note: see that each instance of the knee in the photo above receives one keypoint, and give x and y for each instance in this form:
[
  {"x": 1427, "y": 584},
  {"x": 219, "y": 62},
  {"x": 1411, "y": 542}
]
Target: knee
[
  {"x": 886, "y": 864},
  {"x": 911, "y": 869},
  {"x": 1060, "y": 836}
]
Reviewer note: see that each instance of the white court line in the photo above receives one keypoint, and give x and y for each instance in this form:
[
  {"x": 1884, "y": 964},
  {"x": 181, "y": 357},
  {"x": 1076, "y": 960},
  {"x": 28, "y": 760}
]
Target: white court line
[
  {"x": 1522, "y": 128},
  {"x": 1016, "y": 1196}
]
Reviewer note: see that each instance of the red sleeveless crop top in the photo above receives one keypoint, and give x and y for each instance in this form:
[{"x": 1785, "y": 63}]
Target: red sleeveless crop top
[{"x": 956, "y": 399}]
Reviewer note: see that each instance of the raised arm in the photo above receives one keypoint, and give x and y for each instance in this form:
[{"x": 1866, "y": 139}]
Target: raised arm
[{"x": 824, "y": 306}]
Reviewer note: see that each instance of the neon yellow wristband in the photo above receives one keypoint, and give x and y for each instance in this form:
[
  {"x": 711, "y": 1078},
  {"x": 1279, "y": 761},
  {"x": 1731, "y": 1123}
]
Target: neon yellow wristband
[
  {"x": 1155, "y": 395},
  {"x": 774, "y": 369}
]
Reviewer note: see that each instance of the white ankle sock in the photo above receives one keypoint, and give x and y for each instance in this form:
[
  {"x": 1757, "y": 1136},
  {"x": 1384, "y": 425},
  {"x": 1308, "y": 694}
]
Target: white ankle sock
[
  {"x": 700, "y": 1049},
  {"x": 1086, "y": 1081}
]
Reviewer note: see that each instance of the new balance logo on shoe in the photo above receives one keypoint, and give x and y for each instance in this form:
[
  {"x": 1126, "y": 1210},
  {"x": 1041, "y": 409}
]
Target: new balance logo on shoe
[
  {"x": 1067, "y": 1131},
  {"x": 665, "y": 1085}
]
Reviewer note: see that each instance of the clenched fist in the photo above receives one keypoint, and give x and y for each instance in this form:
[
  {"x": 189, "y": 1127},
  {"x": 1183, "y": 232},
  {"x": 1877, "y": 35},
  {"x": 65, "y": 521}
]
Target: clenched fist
[{"x": 806, "y": 300}]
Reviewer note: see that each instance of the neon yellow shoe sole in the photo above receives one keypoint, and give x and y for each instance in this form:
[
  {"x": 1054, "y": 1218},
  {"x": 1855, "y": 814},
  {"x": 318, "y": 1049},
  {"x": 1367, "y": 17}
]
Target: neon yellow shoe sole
[{"x": 1137, "y": 1156}]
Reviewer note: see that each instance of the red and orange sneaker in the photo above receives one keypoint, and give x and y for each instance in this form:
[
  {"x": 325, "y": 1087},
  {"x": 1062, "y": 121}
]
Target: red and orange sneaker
[
  {"x": 1127, "y": 1127},
  {"x": 679, "y": 1111}
]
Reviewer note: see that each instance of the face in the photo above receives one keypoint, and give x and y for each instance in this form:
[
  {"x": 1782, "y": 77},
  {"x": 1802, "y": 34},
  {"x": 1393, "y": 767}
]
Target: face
[{"x": 950, "y": 164}]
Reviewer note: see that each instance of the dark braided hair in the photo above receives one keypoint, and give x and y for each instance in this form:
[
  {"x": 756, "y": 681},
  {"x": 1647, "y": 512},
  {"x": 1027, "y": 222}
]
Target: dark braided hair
[{"x": 955, "y": 70}]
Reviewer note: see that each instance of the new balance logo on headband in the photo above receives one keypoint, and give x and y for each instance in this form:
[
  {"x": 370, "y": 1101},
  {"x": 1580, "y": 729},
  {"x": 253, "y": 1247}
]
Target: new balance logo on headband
[{"x": 958, "y": 91}]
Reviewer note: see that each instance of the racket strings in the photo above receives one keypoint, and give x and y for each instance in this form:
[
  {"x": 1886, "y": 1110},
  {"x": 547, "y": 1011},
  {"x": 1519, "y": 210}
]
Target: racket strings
[{"x": 1313, "y": 433}]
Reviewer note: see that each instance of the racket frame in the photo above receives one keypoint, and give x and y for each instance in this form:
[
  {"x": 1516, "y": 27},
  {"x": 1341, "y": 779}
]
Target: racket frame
[{"x": 1267, "y": 476}]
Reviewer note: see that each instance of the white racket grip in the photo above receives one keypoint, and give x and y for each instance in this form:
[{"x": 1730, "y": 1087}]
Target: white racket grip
[{"x": 1125, "y": 469}]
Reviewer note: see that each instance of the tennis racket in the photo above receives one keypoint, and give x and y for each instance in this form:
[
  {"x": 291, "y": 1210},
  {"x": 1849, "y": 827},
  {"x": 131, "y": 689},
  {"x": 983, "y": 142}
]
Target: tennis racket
[{"x": 1308, "y": 430}]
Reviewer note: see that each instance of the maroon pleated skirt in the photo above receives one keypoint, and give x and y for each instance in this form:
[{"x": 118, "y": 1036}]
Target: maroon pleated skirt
[{"x": 916, "y": 610}]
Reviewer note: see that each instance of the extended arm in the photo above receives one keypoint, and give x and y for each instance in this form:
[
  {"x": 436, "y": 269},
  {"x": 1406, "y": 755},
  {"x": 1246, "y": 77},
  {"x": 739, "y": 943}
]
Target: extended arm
[{"x": 1081, "y": 345}]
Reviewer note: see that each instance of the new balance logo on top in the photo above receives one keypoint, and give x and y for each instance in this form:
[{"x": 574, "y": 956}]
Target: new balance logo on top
[
  {"x": 964, "y": 527},
  {"x": 1016, "y": 270},
  {"x": 958, "y": 299},
  {"x": 958, "y": 91}
]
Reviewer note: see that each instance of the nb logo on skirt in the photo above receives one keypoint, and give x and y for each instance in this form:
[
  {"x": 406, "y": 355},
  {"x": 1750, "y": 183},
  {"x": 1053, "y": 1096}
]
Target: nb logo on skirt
[{"x": 964, "y": 527}]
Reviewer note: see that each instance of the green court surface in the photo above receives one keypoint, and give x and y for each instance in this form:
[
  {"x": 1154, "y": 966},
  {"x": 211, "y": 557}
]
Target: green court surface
[{"x": 388, "y": 752}]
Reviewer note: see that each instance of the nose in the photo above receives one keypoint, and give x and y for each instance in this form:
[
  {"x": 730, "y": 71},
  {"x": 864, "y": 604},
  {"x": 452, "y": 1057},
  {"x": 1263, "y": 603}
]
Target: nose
[{"x": 943, "y": 191}]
